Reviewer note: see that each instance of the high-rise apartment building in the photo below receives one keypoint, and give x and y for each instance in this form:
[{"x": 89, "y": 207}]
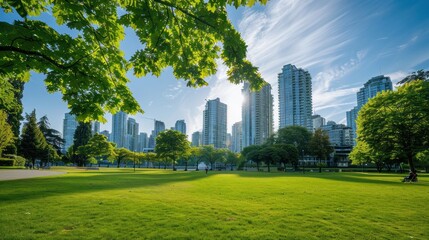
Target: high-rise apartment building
[
  {"x": 119, "y": 129},
  {"x": 237, "y": 137},
  {"x": 69, "y": 127},
  {"x": 339, "y": 134},
  {"x": 295, "y": 100},
  {"x": 369, "y": 90},
  {"x": 95, "y": 127},
  {"x": 318, "y": 121},
  {"x": 180, "y": 126},
  {"x": 132, "y": 134},
  {"x": 142, "y": 142},
  {"x": 214, "y": 123},
  {"x": 158, "y": 127},
  {"x": 257, "y": 115},
  {"x": 196, "y": 139}
]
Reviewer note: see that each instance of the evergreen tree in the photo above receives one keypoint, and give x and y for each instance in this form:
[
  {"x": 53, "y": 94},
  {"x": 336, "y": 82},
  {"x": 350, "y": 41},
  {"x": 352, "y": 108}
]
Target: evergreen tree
[
  {"x": 52, "y": 136},
  {"x": 33, "y": 143},
  {"x": 81, "y": 138}
]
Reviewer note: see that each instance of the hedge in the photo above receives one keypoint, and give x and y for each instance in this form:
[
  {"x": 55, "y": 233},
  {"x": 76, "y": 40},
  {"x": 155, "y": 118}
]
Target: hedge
[{"x": 6, "y": 162}]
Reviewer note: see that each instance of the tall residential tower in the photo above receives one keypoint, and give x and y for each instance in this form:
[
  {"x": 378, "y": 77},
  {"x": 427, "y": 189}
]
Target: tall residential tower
[
  {"x": 257, "y": 115},
  {"x": 295, "y": 101},
  {"x": 214, "y": 123}
]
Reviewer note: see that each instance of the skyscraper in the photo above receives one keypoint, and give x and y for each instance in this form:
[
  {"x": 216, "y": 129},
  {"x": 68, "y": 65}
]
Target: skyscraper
[
  {"x": 119, "y": 129},
  {"x": 69, "y": 127},
  {"x": 237, "y": 137},
  {"x": 369, "y": 90},
  {"x": 158, "y": 127},
  {"x": 180, "y": 126},
  {"x": 132, "y": 134},
  {"x": 214, "y": 123},
  {"x": 196, "y": 139},
  {"x": 95, "y": 127},
  {"x": 295, "y": 101},
  {"x": 143, "y": 141},
  {"x": 318, "y": 121},
  {"x": 257, "y": 115}
]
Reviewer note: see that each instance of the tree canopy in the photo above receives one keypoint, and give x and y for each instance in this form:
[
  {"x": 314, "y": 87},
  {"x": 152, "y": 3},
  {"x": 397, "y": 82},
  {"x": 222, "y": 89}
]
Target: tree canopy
[
  {"x": 81, "y": 56},
  {"x": 295, "y": 135},
  {"x": 172, "y": 144},
  {"x": 395, "y": 124}
]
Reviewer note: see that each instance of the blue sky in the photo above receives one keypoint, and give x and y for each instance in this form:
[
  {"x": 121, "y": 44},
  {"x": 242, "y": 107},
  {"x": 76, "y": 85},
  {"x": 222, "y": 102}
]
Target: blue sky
[{"x": 341, "y": 43}]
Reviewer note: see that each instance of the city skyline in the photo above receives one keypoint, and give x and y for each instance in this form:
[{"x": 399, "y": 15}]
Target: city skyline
[{"x": 341, "y": 49}]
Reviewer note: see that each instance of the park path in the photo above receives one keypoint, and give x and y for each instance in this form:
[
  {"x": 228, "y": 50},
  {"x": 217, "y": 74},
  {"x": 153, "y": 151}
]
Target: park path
[{"x": 21, "y": 174}]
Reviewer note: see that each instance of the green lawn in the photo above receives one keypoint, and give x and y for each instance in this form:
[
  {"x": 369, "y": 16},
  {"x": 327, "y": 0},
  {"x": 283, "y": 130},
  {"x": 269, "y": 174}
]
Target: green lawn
[{"x": 156, "y": 204}]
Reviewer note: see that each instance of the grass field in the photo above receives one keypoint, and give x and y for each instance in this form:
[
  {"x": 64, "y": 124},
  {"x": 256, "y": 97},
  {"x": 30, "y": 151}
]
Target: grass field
[{"x": 155, "y": 204}]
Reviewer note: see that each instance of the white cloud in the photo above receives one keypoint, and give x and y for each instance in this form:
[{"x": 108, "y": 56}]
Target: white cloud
[
  {"x": 397, "y": 76},
  {"x": 174, "y": 91}
]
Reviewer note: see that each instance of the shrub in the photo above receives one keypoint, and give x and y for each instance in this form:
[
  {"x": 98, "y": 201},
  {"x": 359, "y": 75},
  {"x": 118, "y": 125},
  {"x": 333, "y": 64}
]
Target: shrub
[
  {"x": 6, "y": 162},
  {"x": 19, "y": 161}
]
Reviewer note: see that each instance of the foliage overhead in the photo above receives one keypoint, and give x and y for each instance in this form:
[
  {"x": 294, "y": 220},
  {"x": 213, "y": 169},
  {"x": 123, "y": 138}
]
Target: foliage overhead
[
  {"x": 395, "y": 124},
  {"x": 85, "y": 62}
]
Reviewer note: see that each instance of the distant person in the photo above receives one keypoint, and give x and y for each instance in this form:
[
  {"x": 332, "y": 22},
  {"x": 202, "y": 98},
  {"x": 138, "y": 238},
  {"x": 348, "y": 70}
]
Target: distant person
[
  {"x": 412, "y": 177},
  {"x": 207, "y": 169}
]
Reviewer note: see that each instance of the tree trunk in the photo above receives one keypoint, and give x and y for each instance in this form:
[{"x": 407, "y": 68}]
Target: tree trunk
[
  {"x": 186, "y": 165},
  {"x": 320, "y": 165},
  {"x": 119, "y": 163},
  {"x": 231, "y": 167},
  {"x": 257, "y": 166},
  {"x": 268, "y": 166},
  {"x": 196, "y": 169},
  {"x": 410, "y": 162}
]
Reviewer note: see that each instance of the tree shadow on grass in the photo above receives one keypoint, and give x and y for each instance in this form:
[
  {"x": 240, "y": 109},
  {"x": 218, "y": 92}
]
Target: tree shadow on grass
[
  {"x": 364, "y": 178},
  {"x": 85, "y": 182}
]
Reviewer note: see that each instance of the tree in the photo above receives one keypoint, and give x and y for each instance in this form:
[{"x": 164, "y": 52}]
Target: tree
[
  {"x": 86, "y": 63},
  {"x": 98, "y": 146},
  {"x": 232, "y": 158},
  {"x": 172, "y": 145},
  {"x": 270, "y": 155},
  {"x": 208, "y": 153},
  {"x": 288, "y": 154},
  {"x": 396, "y": 123},
  {"x": 196, "y": 155},
  {"x": 252, "y": 153},
  {"x": 10, "y": 102},
  {"x": 81, "y": 138},
  {"x": 6, "y": 134},
  {"x": 33, "y": 144},
  {"x": 52, "y": 136},
  {"x": 123, "y": 155},
  {"x": 295, "y": 135},
  {"x": 320, "y": 146},
  {"x": 419, "y": 75}
]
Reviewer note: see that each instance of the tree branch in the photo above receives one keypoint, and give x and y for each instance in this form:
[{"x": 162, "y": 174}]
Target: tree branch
[{"x": 186, "y": 12}]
